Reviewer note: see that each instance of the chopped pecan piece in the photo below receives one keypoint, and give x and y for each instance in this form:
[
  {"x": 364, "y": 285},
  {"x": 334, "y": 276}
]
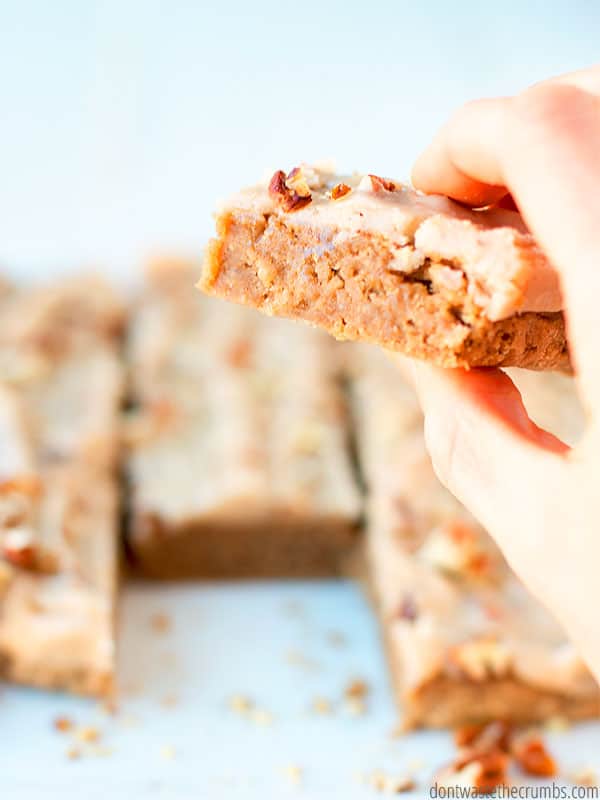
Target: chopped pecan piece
[
  {"x": 340, "y": 190},
  {"x": 18, "y": 548},
  {"x": 482, "y": 771},
  {"x": 291, "y": 191},
  {"x": 24, "y": 484},
  {"x": 480, "y": 659},
  {"x": 296, "y": 182},
  {"x": 18, "y": 498},
  {"x": 357, "y": 688},
  {"x": 484, "y": 736},
  {"x": 63, "y": 724},
  {"x": 531, "y": 755},
  {"x": 379, "y": 184}
]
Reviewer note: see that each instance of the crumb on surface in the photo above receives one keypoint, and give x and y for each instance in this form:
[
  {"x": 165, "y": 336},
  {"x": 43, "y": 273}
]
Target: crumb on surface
[
  {"x": 357, "y": 688},
  {"x": 294, "y": 773},
  {"x": 87, "y": 733},
  {"x": 62, "y": 724},
  {"x": 241, "y": 704},
  {"x": 321, "y": 705}
]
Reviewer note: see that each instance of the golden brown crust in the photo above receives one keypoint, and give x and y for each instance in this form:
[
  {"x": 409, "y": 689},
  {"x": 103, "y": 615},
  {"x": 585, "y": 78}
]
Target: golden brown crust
[
  {"x": 276, "y": 547},
  {"x": 346, "y": 286}
]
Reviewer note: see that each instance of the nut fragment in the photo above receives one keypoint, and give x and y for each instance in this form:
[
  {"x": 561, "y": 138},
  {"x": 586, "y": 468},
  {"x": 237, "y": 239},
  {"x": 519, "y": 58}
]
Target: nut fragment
[
  {"x": 62, "y": 724},
  {"x": 480, "y": 659},
  {"x": 404, "y": 783},
  {"x": 357, "y": 688},
  {"x": 87, "y": 733},
  {"x": 340, "y": 190},
  {"x": 389, "y": 784},
  {"x": 531, "y": 755},
  {"x": 456, "y": 549},
  {"x": 483, "y": 772},
  {"x": 18, "y": 548},
  {"x": 296, "y": 181},
  {"x": 18, "y": 500},
  {"x": 374, "y": 183},
  {"x": 292, "y": 191},
  {"x": 484, "y": 736}
]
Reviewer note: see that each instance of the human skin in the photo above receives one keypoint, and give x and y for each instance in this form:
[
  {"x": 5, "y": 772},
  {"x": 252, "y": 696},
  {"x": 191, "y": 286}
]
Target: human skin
[{"x": 538, "y": 498}]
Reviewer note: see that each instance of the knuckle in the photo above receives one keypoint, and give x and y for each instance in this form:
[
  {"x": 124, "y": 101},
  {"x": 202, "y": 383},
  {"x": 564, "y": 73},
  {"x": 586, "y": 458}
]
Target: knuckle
[{"x": 547, "y": 105}]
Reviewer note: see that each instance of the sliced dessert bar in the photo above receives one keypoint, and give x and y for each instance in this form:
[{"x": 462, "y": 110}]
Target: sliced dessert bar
[
  {"x": 238, "y": 463},
  {"x": 465, "y": 640},
  {"x": 369, "y": 259},
  {"x": 60, "y": 390}
]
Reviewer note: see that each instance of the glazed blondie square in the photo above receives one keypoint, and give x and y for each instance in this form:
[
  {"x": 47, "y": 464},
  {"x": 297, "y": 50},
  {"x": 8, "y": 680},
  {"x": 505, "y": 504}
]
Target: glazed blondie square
[
  {"x": 238, "y": 455},
  {"x": 465, "y": 641},
  {"x": 369, "y": 259},
  {"x": 60, "y": 391}
]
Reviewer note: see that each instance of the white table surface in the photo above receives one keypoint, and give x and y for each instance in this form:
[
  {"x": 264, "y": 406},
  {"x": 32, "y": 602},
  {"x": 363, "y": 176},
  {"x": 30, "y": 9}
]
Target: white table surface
[{"x": 271, "y": 642}]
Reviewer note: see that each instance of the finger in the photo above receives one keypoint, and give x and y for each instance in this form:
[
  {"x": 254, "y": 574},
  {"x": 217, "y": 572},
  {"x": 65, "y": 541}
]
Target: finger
[
  {"x": 552, "y": 165},
  {"x": 483, "y": 445},
  {"x": 544, "y": 147},
  {"x": 587, "y": 79},
  {"x": 458, "y": 162}
]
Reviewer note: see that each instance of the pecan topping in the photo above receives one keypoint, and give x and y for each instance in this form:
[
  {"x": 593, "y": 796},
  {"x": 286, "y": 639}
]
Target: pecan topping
[
  {"x": 380, "y": 184},
  {"x": 291, "y": 191},
  {"x": 483, "y": 771},
  {"x": 531, "y": 755},
  {"x": 484, "y": 736},
  {"x": 25, "y": 484},
  {"x": 340, "y": 190},
  {"x": 479, "y": 659},
  {"x": 18, "y": 549}
]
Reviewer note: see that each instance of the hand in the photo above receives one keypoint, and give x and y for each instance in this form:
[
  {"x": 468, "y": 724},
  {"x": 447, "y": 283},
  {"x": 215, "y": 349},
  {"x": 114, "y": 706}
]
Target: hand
[{"x": 537, "y": 498}]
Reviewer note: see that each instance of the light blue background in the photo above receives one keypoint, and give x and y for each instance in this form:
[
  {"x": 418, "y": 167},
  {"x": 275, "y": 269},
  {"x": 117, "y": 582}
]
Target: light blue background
[{"x": 122, "y": 122}]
